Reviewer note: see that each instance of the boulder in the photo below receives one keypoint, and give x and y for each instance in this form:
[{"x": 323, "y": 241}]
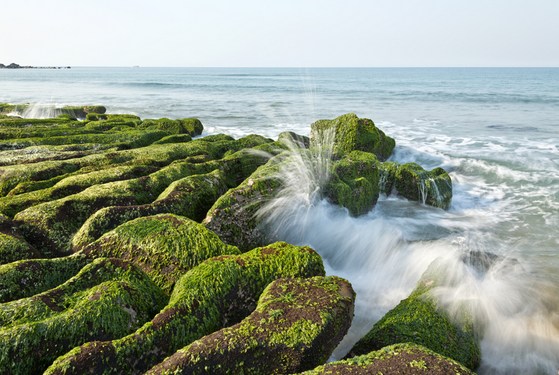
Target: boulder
[
  {"x": 406, "y": 358},
  {"x": 419, "y": 320},
  {"x": 353, "y": 133},
  {"x": 433, "y": 187},
  {"x": 354, "y": 182},
  {"x": 296, "y": 326}
]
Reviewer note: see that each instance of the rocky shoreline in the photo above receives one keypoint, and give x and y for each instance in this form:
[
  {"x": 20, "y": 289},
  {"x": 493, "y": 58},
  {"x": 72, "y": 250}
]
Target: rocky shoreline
[{"x": 132, "y": 245}]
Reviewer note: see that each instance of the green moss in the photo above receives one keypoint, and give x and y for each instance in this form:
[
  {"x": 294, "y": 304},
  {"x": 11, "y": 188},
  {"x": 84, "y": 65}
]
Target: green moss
[
  {"x": 175, "y": 138},
  {"x": 429, "y": 187},
  {"x": 405, "y": 358},
  {"x": 26, "y": 278},
  {"x": 163, "y": 246},
  {"x": 417, "y": 319},
  {"x": 63, "y": 186},
  {"x": 13, "y": 248},
  {"x": 315, "y": 315},
  {"x": 353, "y": 133},
  {"x": 387, "y": 176},
  {"x": 190, "y": 126},
  {"x": 354, "y": 182},
  {"x": 219, "y": 292},
  {"x": 111, "y": 308}
]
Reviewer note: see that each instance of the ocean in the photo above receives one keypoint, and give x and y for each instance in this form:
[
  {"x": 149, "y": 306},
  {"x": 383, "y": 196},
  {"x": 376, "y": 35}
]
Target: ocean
[{"x": 496, "y": 130}]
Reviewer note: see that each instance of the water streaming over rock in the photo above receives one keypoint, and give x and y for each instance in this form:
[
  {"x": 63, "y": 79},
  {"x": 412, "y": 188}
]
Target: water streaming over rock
[{"x": 385, "y": 252}]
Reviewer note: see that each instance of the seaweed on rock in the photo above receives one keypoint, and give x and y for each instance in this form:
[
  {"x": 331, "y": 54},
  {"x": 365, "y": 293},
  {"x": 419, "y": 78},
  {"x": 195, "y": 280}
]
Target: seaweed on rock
[
  {"x": 296, "y": 326},
  {"x": 217, "y": 293},
  {"x": 418, "y": 319},
  {"x": 164, "y": 246},
  {"x": 405, "y": 358},
  {"x": 107, "y": 299}
]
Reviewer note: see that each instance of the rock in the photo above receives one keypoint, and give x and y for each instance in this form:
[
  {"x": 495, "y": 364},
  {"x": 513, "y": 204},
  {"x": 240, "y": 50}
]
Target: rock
[
  {"x": 163, "y": 246},
  {"x": 28, "y": 277},
  {"x": 106, "y": 299},
  {"x": 353, "y": 133},
  {"x": 12, "y": 246},
  {"x": 354, "y": 182},
  {"x": 406, "y": 358},
  {"x": 233, "y": 216},
  {"x": 418, "y": 319},
  {"x": 217, "y": 293},
  {"x": 291, "y": 138},
  {"x": 429, "y": 187},
  {"x": 296, "y": 326},
  {"x": 191, "y": 126}
]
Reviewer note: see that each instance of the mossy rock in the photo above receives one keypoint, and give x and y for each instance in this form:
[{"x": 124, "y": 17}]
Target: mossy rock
[
  {"x": 418, "y": 319},
  {"x": 296, "y": 326},
  {"x": 28, "y": 277},
  {"x": 190, "y": 197},
  {"x": 354, "y": 182},
  {"x": 387, "y": 176},
  {"x": 57, "y": 188},
  {"x": 405, "y": 358},
  {"x": 353, "y": 133},
  {"x": 429, "y": 187},
  {"x": 12, "y": 246},
  {"x": 164, "y": 246},
  {"x": 82, "y": 111},
  {"x": 233, "y": 216},
  {"x": 62, "y": 318},
  {"x": 191, "y": 126},
  {"x": 217, "y": 293},
  {"x": 294, "y": 139},
  {"x": 174, "y": 138}
]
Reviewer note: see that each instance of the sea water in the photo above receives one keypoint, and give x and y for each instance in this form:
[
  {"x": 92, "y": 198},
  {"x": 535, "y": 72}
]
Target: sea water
[{"x": 496, "y": 130}]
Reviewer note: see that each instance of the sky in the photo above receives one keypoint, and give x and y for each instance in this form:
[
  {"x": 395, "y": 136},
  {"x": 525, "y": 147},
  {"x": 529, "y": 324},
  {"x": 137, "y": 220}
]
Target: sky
[{"x": 298, "y": 33}]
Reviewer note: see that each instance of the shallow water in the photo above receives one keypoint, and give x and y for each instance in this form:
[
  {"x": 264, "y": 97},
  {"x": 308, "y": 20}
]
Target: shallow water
[{"x": 495, "y": 130}]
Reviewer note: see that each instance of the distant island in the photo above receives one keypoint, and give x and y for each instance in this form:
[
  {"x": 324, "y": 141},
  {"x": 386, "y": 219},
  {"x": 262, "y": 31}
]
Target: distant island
[{"x": 17, "y": 66}]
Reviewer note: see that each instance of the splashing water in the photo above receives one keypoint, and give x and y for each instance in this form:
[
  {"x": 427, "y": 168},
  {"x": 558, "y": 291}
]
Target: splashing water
[
  {"x": 384, "y": 253},
  {"x": 41, "y": 111}
]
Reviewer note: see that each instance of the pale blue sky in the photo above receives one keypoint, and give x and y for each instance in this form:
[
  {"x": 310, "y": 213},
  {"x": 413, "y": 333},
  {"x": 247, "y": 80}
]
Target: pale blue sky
[{"x": 280, "y": 33}]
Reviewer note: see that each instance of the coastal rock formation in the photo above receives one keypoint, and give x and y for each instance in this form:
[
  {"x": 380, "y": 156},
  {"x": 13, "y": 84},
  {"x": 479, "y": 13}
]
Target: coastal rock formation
[
  {"x": 395, "y": 359},
  {"x": 354, "y": 133},
  {"x": 419, "y": 320},
  {"x": 217, "y": 293},
  {"x": 415, "y": 183},
  {"x": 354, "y": 182},
  {"x": 124, "y": 241},
  {"x": 296, "y": 326},
  {"x": 106, "y": 299}
]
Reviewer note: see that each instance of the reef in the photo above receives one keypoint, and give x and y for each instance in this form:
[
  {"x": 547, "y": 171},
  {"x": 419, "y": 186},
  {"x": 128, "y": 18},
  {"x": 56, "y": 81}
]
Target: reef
[{"x": 130, "y": 245}]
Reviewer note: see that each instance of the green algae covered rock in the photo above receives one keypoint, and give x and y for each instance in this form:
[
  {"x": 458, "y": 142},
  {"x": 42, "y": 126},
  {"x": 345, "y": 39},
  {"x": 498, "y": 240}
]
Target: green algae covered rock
[
  {"x": 395, "y": 359},
  {"x": 164, "y": 246},
  {"x": 191, "y": 197},
  {"x": 28, "y": 277},
  {"x": 233, "y": 216},
  {"x": 429, "y": 187},
  {"x": 354, "y": 182},
  {"x": 190, "y": 126},
  {"x": 296, "y": 326},
  {"x": 107, "y": 299},
  {"x": 354, "y": 133},
  {"x": 417, "y": 319},
  {"x": 217, "y": 293}
]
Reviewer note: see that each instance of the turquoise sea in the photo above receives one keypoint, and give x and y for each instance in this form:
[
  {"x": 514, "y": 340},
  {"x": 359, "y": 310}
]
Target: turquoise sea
[{"x": 496, "y": 130}]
